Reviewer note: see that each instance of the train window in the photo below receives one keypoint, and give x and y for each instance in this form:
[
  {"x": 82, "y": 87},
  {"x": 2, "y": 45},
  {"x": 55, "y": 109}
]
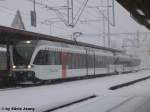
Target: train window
[
  {"x": 104, "y": 61},
  {"x": 52, "y": 58},
  {"x": 76, "y": 61},
  {"x": 45, "y": 57},
  {"x": 39, "y": 60},
  {"x": 100, "y": 61},
  {"x": 58, "y": 58},
  {"x": 69, "y": 61},
  {"x": 90, "y": 61},
  {"x": 83, "y": 61}
]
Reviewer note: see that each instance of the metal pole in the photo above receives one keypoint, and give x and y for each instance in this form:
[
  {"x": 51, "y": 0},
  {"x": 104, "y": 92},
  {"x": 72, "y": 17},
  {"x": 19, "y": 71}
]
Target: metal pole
[
  {"x": 70, "y": 12},
  {"x": 108, "y": 27},
  {"x": 51, "y": 23},
  {"x": 94, "y": 63},
  {"x": 34, "y": 5},
  {"x": 104, "y": 31},
  {"x": 138, "y": 39},
  {"x": 87, "y": 67},
  {"x": 113, "y": 4}
]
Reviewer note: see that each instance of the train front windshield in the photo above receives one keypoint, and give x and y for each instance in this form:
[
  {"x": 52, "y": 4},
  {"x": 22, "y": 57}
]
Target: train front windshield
[{"x": 22, "y": 52}]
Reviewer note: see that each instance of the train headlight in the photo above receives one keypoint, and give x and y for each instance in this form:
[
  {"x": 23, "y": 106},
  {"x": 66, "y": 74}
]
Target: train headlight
[
  {"x": 13, "y": 66},
  {"x": 28, "y": 42},
  {"x": 29, "y": 66}
]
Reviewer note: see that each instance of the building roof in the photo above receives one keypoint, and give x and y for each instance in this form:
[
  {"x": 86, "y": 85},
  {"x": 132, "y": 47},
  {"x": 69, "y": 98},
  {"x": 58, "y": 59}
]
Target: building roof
[
  {"x": 139, "y": 9},
  {"x": 12, "y": 35}
]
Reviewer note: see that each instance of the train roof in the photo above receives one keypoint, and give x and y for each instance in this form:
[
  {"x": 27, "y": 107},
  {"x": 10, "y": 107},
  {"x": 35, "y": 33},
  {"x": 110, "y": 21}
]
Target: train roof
[{"x": 13, "y": 35}]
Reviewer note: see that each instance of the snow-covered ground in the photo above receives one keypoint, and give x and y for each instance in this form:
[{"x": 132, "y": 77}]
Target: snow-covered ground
[{"x": 126, "y": 99}]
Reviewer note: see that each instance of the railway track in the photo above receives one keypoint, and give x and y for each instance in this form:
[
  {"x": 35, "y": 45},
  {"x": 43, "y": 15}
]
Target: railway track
[{"x": 53, "y": 82}]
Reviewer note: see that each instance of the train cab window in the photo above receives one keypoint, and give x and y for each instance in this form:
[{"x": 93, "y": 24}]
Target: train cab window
[
  {"x": 41, "y": 58},
  {"x": 22, "y": 52}
]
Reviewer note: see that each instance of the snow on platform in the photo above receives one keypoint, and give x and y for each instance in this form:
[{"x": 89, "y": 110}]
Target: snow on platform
[{"x": 49, "y": 97}]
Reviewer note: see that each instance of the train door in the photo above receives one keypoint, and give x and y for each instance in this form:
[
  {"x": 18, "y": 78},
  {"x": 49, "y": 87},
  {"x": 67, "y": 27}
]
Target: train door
[
  {"x": 90, "y": 63},
  {"x": 76, "y": 65},
  {"x": 47, "y": 65},
  {"x": 64, "y": 64}
]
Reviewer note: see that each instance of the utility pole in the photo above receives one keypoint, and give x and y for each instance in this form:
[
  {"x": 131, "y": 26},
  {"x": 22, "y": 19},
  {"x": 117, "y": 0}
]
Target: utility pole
[
  {"x": 138, "y": 39},
  {"x": 70, "y": 12},
  {"x": 108, "y": 26},
  {"x": 104, "y": 31},
  {"x": 113, "y": 8},
  {"x": 34, "y": 5},
  {"x": 73, "y": 19},
  {"x": 33, "y": 15}
]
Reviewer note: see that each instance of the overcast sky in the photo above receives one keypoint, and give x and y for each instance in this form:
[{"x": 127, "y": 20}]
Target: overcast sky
[{"x": 91, "y": 30}]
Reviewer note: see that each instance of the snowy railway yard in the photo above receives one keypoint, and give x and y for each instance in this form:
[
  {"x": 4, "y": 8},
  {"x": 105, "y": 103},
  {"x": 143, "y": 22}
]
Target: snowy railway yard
[
  {"x": 91, "y": 95},
  {"x": 51, "y": 58},
  {"x": 75, "y": 56}
]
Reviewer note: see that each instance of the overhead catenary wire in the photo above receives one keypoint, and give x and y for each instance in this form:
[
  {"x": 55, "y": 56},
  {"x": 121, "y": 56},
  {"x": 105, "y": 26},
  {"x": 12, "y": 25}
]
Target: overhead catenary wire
[
  {"x": 92, "y": 15},
  {"x": 39, "y": 20},
  {"x": 22, "y": 13},
  {"x": 13, "y": 12},
  {"x": 89, "y": 13}
]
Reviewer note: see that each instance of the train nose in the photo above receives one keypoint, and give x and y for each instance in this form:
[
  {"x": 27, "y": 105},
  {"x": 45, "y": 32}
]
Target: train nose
[{"x": 24, "y": 76}]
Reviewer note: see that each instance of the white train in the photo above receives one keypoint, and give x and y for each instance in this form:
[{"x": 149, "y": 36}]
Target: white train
[{"x": 46, "y": 60}]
